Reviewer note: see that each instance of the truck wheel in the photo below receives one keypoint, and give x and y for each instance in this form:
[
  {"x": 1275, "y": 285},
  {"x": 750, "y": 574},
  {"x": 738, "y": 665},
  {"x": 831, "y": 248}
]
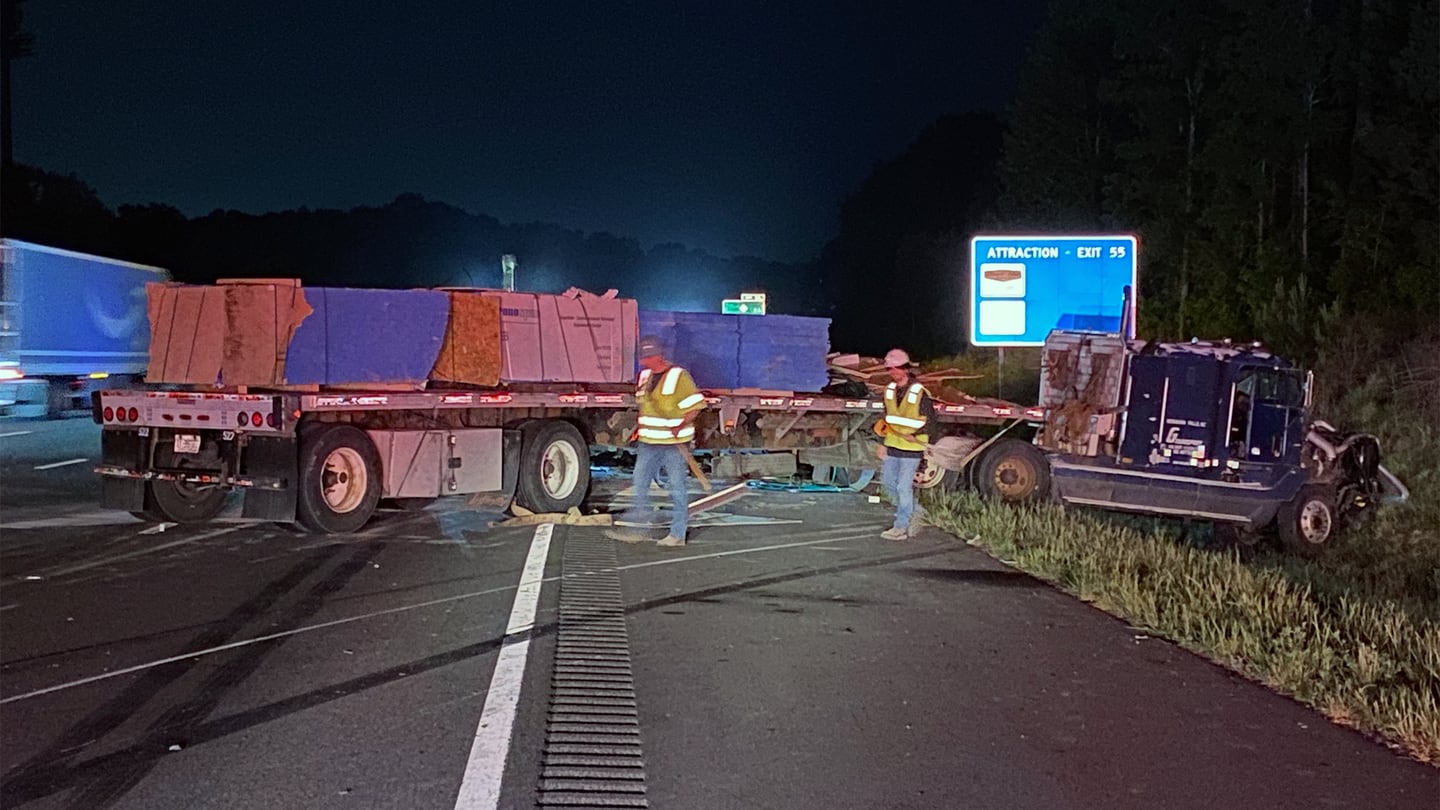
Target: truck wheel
[
  {"x": 933, "y": 476},
  {"x": 1309, "y": 521},
  {"x": 1013, "y": 471},
  {"x": 554, "y": 466},
  {"x": 339, "y": 480},
  {"x": 182, "y": 502}
]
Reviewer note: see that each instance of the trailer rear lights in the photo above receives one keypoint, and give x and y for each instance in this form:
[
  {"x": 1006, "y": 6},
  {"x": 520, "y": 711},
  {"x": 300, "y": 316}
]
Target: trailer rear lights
[
  {"x": 271, "y": 420},
  {"x": 242, "y": 419},
  {"x": 256, "y": 419},
  {"x": 120, "y": 414},
  {"x": 134, "y": 415},
  {"x": 109, "y": 414}
]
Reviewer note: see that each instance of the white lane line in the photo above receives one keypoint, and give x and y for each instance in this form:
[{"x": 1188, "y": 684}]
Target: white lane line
[
  {"x": 65, "y": 521},
  {"x": 386, "y": 612},
  {"x": 4, "y": 608},
  {"x": 16, "y": 433},
  {"x": 480, "y": 788},
  {"x": 58, "y": 464},
  {"x": 140, "y": 553}
]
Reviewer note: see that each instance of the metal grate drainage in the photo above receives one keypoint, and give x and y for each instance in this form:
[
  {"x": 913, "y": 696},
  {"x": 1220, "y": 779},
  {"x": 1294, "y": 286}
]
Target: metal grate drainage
[{"x": 592, "y": 752}]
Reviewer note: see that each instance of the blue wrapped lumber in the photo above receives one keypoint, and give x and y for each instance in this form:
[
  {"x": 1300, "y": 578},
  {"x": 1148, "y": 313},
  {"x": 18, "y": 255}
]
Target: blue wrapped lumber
[
  {"x": 783, "y": 352},
  {"x": 357, "y": 336},
  {"x": 707, "y": 344},
  {"x": 772, "y": 352}
]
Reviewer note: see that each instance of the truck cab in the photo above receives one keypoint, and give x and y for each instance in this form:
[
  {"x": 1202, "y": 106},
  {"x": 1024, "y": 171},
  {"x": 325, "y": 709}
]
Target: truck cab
[{"x": 1207, "y": 431}]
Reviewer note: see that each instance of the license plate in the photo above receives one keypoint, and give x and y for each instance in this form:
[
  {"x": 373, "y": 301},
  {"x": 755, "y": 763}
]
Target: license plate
[{"x": 187, "y": 443}]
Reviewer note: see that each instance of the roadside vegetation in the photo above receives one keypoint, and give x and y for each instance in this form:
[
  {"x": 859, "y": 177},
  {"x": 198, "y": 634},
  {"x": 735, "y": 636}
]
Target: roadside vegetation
[{"x": 1354, "y": 633}]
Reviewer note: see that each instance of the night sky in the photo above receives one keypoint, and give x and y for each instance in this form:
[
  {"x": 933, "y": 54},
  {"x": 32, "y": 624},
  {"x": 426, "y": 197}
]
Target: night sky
[{"x": 735, "y": 127}]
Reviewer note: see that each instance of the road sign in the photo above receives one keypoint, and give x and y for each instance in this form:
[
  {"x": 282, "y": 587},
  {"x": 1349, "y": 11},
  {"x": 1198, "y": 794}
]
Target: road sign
[
  {"x": 1021, "y": 287},
  {"x": 737, "y": 306},
  {"x": 753, "y": 297}
]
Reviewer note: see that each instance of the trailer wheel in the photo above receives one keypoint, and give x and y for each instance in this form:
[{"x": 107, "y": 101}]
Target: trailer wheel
[
  {"x": 1013, "y": 471},
  {"x": 182, "y": 502},
  {"x": 933, "y": 476},
  {"x": 554, "y": 466},
  {"x": 339, "y": 480},
  {"x": 1309, "y": 521}
]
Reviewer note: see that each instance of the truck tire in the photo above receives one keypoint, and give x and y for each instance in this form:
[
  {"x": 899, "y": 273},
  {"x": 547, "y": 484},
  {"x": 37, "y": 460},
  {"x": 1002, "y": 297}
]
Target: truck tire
[
  {"x": 1309, "y": 521},
  {"x": 180, "y": 502},
  {"x": 339, "y": 479},
  {"x": 1013, "y": 471},
  {"x": 933, "y": 476},
  {"x": 554, "y": 466}
]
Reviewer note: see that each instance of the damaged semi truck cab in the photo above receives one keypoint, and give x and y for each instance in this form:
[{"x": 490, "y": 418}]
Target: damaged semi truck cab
[{"x": 1206, "y": 431}]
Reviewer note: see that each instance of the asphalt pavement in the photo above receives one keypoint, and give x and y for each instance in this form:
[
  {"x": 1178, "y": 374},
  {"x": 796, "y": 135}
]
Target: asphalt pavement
[{"x": 794, "y": 661}]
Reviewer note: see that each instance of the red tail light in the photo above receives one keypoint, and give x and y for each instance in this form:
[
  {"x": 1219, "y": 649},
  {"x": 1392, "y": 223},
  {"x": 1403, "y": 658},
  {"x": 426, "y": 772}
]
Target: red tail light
[
  {"x": 134, "y": 415},
  {"x": 271, "y": 420},
  {"x": 109, "y": 414},
  {"x": 256, "y": 419},
  {"x": 242, "y": 419}
]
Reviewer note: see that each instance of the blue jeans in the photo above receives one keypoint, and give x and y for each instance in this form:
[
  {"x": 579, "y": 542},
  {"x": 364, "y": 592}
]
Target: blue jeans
[
  {"x": 649, "y": 459},
  {"x": 897, "y": 475}
]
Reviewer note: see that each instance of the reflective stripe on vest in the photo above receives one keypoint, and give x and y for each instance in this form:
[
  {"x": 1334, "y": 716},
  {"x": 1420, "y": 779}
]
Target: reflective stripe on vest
[
  {"x": 672, "y": 378},
  {"x": 660, "y": 421},
  {"x": 658, "y": 436}
]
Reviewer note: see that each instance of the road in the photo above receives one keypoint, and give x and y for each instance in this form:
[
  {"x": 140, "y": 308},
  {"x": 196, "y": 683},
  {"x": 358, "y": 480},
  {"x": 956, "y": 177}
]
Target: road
[{"x": 799, "y": 661}]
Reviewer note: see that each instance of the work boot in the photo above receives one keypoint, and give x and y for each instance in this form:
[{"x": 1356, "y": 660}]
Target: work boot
[
  {"x": 671, "y": 541},
  {"x": 626, "y": 537},
  {"x": 894, "y": 534}
]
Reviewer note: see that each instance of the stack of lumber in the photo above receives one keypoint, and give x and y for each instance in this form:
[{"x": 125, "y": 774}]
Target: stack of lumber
[
  {"x": 744, "y": 352},
  {"x": 272, "y": 333}
]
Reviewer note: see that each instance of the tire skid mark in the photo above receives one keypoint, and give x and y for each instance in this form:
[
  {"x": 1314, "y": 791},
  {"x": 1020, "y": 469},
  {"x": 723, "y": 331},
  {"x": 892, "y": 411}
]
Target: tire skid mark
[{"x": 54, "y": 770}]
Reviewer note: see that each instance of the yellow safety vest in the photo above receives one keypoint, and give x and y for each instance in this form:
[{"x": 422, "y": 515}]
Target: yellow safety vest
[
  {"x": 664, "y": 404},
  {"x": 903, "y": 420}
]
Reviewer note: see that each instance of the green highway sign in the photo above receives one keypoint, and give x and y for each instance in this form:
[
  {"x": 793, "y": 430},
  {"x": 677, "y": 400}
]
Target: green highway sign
[{"x": 736, "y": 306}]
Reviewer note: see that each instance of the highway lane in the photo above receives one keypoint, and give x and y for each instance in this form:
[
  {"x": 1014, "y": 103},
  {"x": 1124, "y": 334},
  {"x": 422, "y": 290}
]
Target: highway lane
[{"x": 805, "y": 664}]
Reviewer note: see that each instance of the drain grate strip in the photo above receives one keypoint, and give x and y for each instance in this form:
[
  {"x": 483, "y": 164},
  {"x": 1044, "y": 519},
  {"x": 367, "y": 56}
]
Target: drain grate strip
[{"x": 592, "y": 756}]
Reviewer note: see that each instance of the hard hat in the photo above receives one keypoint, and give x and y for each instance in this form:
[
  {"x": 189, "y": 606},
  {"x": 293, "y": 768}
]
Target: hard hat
[
  {"x": 896, "y": 358},
  {"x": 650, "y": 347}
]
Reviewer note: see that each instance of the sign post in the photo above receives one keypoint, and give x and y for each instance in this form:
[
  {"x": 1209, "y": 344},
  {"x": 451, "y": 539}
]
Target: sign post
[{"x": 1022, "y": 287}]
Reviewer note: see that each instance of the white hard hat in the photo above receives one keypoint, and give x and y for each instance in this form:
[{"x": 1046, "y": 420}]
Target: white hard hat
[{"x": 896, "y": 358}]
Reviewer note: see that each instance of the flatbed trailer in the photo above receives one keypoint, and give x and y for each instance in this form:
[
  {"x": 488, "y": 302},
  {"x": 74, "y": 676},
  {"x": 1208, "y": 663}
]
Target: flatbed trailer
[{"x": 327, "y": 458}]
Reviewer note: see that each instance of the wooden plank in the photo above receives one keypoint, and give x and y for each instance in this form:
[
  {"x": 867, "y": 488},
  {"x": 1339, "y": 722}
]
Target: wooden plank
[{"x": 273, "y": 282}]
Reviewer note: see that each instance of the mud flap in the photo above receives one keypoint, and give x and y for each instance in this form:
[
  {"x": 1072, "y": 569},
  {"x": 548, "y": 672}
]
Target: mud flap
[
  {"x": 274, "y": 457},
  {"x": 510, "y": 445},
  {"x": 123, "y": 448}
]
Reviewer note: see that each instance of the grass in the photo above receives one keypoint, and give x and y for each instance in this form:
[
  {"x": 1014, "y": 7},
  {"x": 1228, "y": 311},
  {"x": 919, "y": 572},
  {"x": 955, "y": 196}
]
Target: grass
[{"x": 1341, "y": 643}]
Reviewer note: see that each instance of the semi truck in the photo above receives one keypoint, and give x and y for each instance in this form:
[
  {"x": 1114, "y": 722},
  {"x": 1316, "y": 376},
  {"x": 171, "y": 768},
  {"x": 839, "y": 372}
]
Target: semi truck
[
  {"x": 1208, "y": 431},
  {"x": 70, "y": 324},
  {"x": 1200, "y": 431}
]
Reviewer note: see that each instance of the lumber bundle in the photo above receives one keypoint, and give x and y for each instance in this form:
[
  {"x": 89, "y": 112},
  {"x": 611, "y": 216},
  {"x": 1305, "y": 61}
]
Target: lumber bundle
[{"x": 272, "y": 333}]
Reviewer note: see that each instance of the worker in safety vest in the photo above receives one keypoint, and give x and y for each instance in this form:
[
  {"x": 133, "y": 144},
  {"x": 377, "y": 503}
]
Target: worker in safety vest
[
  {"x": 909, "y": 413},
  {"x": 669, "y": 403}
]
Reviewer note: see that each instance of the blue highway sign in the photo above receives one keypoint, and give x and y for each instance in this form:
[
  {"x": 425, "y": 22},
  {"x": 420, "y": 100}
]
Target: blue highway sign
[{"x": 1021, "y": 287}]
